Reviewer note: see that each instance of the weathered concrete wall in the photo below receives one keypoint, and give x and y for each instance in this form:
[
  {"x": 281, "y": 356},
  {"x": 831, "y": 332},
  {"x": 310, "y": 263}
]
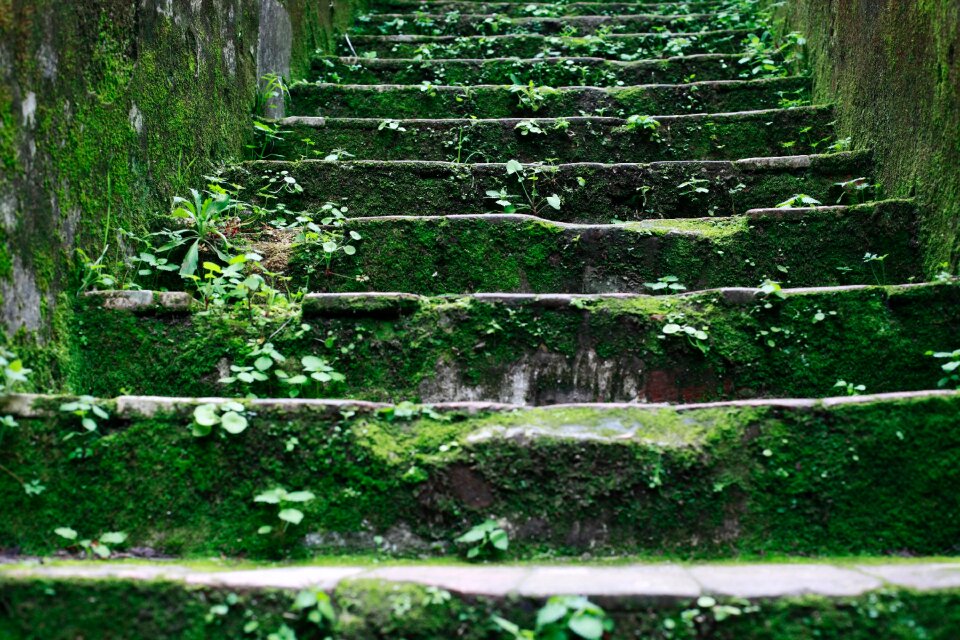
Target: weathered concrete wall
[
  {"x": 109, "y": 108},
  {"x": 893, "y": 67}
]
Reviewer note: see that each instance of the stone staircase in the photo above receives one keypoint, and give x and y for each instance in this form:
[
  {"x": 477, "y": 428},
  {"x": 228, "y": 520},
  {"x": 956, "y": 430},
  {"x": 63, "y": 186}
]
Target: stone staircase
[{"x": 567, "y": 252}]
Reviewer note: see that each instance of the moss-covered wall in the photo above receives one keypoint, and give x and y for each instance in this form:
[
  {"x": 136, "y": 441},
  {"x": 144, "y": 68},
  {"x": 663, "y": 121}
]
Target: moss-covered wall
[
  {"x": 893, "y": 68},
  {"x": 108, "y": 108}
]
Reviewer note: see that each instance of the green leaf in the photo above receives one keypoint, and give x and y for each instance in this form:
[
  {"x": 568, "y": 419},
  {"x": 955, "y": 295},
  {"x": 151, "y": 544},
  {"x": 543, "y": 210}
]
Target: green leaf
[
  {"x": 514, "y": 167},
  {"x": 102, "y": 551},
  {"x": 550, "y": 613},
  {"x": 499, "y": 539},
  {"x": 263, "y": 363},
  {"x": 189, "y": 265},
  {"x": 113, "y": 537},
  {"x": 554, "y": 201},
  {"x": 66, "y": 532},
  {"x": 299, "y": 496},
  {"x": 312, "y": 363},
  {"x": 293, "y": 516},
  {"x": 264, "y": 530},
  {"x": 273, "y": 496},
  {"x": 671, "y": 329},
  {"x": 206, "y": 415},
  {"x": 587, "y": 627},
  {"x": 349, "y": 250},
  {"x": 474, "y": 535},
  {"x": 305, "y": 599},
  {"x": 89, "y": 424},
  {"x": 233, "y": 423},
  {"x": 200, "y": 430}
]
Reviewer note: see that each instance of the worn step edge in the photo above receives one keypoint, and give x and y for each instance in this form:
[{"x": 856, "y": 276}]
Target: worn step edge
[
  {"x": 390, "y": 63},
  {"x": 768, "y": 162},
  {"x": 662, "y": 581},
  {"x": 411, "y": 38},
  {"x": 382, "y": 88},
  {"x": 322, "y": 121},
  {"x": 32, "y": 405},
  {"x": 319, "y": 304}
]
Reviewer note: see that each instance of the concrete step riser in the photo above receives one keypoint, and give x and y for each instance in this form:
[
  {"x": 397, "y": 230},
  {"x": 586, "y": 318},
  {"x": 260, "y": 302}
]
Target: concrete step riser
[
  {"x": 590, "y": 193},
  {"x": 568, "y": 140},
  {"x": 539, "y": 351},
  {"x": 491, "y": 24},
  {"x": 528, "y": 9},
  {"x": 404, "y": 101},
  {"x": 615, "y": 46},
  {"x": 553, "y": 73},
  {"x": 709, "y": 481}
]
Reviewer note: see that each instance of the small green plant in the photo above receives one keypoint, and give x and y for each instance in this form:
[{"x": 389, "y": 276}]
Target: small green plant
[
  {"x": 562, "y": 618},
  {"x": 799, "y": 200},
  {"x": 529, "y": 95},
  {"x": 87, "y": 409},
  {"x": 391, "y": 125},
  {"x": 204, "y": 218},
  {"x": 318, "y": 605},
  {"x": 879, "y": 272},
  {"x": 15, "y": 375},
  {"x": 856, "y": 191},
  {"x": 229, "y": 415},
  {"x": 95, "y": 275},
  {"x": 337, "y": 155},
  {"x": 666, "y": 283},
  {"x": 951, "y": 367},
  {"x": 844, "y": 144},
  {"x": 849, "y": 388},
  {"x": 643, "y": 123},
  {"x": 531, "y": 200},
  {"x": 529, "y": 127},
  {"x": 283, "y": 499},
  {"x": 101, "y": 547},
  {"x": 696, "y": 336},
  {"x": 486, "y": 540}
]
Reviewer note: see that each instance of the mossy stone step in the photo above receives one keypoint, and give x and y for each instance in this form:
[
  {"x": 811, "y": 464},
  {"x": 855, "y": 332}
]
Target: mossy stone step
[
  {"x": 856, "y": 600},
  {"x": 618, "y": 46},
  {"x": 519, "y": 253},
  {"x": 553, "y": 72},
  {"x": 544, "y": 9},
  {"x": 848, "y": 475},
  {"x": 500, "y": 101},
  {"x": 723, "y": 136},
  {"x": 590, "y": 193},
  {"x": 544, "y": 349},
  {"x": 468, "y": 24}
]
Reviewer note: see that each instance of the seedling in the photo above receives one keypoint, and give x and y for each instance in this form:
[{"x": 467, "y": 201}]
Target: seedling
[
  {"x": 951, "y": 367},
  {"x": 283, "y": 499},
  {"x": 96, "y": 547},
  {"x": 229, "y": 415},
  {"x": 486, "y": 540}
]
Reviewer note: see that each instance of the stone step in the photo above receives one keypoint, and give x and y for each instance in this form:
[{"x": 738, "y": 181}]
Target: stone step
[
  {"x": 544, "y": 9},
  {"x": 589, "y": 192},
  {"x": 617, "y": 46},
  {"x": 542, "y": 349},
  {"x": 502, "y": 101},
  {"x": 781, "y": 477},
  {"x": 553, "y": 72},
  {"x": 722, "y": 136},
  {"x": 855, "y": 600},
  {"x": 470, "y": 24}
]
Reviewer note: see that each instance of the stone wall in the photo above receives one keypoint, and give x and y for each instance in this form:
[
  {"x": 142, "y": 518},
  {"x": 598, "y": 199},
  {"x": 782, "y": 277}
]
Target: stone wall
[
  {"x": 893, "y": 68},
  {"x": 109, "y": 108}
]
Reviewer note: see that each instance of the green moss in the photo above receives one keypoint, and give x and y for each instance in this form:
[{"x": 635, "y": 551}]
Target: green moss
[
  {"x": 494, "y": 102},
  {"x": 848, "y": 479},
  {"x": 732, "y": 138},
  {"x": 896, "y": 80}
]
